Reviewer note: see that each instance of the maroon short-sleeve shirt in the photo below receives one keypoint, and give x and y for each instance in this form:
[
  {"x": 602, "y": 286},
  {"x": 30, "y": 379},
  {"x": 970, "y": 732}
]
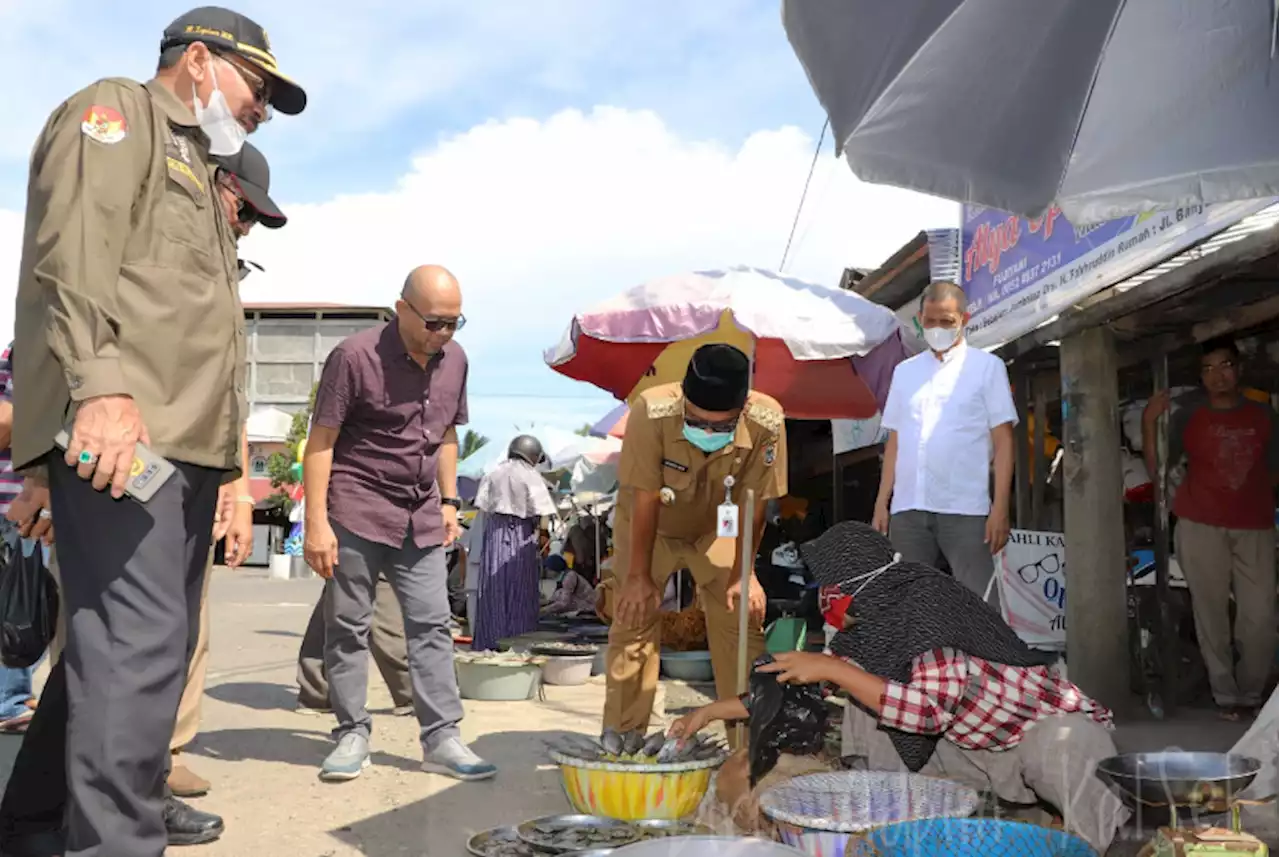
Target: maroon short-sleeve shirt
[{"x": 391, "y": 415}]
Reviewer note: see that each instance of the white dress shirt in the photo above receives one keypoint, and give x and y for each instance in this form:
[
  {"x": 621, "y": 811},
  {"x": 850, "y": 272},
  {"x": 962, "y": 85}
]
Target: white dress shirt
[{"x": 943, "y": 412}]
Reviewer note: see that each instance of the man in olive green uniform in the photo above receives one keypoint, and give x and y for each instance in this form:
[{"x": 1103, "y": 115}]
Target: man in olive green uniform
[
  {"x": 130, "y": 328},
  {"x": 681, "y": 442}
]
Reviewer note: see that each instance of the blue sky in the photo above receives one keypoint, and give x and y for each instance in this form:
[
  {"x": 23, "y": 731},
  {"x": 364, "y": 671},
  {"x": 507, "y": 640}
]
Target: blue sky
[{"x": 551, "y": 152}]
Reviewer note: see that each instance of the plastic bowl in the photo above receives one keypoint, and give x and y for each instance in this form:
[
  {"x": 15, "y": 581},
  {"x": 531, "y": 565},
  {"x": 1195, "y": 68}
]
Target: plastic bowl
[
  {"x": 568, "y": 670},
  {"x": 688, "y": 666},
  {"x": 963, "y": 837},
  {"x": 707, "y": 846},
  {"x": 829, "y": 814},
  {"x": 497, "y": 682},
  {"x": 635, "y": 792}
]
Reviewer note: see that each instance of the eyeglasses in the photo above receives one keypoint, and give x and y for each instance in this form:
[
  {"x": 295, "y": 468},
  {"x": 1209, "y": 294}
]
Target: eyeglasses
[
  {"x": 258, "y": 85},
  {"x": 436, "y": 324}
]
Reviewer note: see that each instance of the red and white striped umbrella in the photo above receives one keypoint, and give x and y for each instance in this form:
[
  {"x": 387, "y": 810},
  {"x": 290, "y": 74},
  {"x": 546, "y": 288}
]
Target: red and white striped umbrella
[{"x": 823, "y": 353}]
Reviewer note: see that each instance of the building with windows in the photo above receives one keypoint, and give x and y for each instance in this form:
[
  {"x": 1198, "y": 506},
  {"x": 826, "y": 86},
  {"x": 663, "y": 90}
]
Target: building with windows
[{"x": 288, "y": 344}]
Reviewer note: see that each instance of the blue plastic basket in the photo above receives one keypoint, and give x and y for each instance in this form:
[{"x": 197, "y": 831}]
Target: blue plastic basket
[{"x": 972, "y": 837}]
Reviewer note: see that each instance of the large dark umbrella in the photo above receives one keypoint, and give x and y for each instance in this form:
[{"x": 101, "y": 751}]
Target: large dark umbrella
[{"x": 1107, "y": 107}]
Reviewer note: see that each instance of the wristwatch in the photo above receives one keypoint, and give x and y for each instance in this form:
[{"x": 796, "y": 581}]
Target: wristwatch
[{"x": 451, "y": 501}]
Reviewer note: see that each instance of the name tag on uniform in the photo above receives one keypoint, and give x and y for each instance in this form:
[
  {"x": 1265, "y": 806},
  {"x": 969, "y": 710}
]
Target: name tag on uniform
[
  {"x": 674, "y": 465},
  {"x": 727, "y": 521}
]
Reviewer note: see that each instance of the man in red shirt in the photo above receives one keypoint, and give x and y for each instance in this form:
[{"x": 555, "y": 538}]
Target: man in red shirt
[{"x": 1226, "y": 535}]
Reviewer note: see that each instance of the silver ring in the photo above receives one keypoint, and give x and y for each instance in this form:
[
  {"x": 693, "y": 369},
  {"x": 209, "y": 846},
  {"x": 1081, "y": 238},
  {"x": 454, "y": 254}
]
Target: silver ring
[{"x": 44, "y": 514}]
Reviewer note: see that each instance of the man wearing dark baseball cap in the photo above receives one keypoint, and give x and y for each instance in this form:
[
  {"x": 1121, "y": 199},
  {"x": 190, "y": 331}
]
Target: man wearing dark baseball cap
[
  {"x": 243, "y": 179},
  {"x": 129, "y": 163},
  {"x": 222, "y": 30}
]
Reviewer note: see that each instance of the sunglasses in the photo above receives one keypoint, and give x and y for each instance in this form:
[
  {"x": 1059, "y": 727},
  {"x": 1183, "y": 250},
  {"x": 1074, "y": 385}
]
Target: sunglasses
[
  {"x": 436, "y": 324},
  {"x": 245, "y": 212},
  {"x": 722, "y": 426}
]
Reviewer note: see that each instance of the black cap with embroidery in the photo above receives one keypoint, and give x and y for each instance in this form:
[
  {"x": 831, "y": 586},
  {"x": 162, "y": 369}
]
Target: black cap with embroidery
[
  {"x": 249, "y": 169},
  {"x": 223, "y": 30}
]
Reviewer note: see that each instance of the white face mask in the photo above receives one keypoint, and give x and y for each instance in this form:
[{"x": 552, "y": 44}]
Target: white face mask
[
  {"x": 941, "y": 338},
  {"x": 226, "y": 135}
]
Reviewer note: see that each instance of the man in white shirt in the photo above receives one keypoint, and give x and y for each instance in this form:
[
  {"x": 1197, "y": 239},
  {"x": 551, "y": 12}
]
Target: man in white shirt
[{"x": 950, "y": 417}]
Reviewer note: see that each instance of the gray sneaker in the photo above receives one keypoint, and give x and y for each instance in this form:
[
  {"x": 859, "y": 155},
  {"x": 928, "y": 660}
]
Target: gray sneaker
[
  {"x": 349, "y": 758},
  {"x": 455, "y": 759}
]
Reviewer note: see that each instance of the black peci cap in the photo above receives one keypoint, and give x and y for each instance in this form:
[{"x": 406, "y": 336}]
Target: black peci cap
[
  {"x": 718, "y": 378},
  {"x": 249, "y": 167},
  {"x": 224, "y": 30}
]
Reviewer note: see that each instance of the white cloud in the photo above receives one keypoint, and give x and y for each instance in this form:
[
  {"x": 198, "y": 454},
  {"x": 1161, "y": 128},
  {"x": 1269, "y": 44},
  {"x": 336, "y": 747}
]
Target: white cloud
[{"x": 542, "y": 218}]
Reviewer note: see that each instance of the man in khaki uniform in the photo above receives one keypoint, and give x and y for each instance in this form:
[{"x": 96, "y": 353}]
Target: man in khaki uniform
[
  {"x": 129, "y": 326},
  {"x": 682, "y": 441}
]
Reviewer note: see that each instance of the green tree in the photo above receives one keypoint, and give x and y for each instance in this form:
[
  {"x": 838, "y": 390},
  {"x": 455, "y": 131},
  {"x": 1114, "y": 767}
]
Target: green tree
[
  {"x": 280, "y": 464},
  {"x": 472, "y": 442},
  {"x": 585, "y": 431}
]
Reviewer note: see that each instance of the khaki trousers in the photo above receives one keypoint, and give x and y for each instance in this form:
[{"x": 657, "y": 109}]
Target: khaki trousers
[
  {"x": 187, "y": 725},
  {"x": 188, "y": 722},
  {"x": 1217, "y": 562},
  {"x": 633, "y": 656}
]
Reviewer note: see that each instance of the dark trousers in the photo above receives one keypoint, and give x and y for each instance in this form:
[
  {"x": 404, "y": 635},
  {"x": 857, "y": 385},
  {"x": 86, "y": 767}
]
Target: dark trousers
[
  {"x": 386, "y": 640},
  {"x": 132, "y": 576}
]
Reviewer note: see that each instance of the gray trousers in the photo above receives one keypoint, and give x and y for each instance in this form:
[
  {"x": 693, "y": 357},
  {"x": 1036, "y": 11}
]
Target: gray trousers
[
  {"x": 1217, "y": 562},
  {"x": 923, "y": 536},
  {"x": 418, "y": 576},
  {"x": 132, "y": 575},
  {"x": 386, "y": 639},
  {"x": 1055, "y": 762}
]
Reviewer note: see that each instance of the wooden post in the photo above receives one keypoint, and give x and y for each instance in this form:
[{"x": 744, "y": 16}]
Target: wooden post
[
  {"x": 747, "y": 539},
  {"x": 1022, "y": 479},
  {"x": 1040, "y": 466},
  {"x": 1097, "y": 608},
  {"x": 1164, "y": 624}
]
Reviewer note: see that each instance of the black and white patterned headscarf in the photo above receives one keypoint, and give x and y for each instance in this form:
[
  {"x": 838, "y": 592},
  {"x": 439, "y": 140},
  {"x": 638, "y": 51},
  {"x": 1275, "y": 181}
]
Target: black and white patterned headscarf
[{"x": 901, "y": 610}]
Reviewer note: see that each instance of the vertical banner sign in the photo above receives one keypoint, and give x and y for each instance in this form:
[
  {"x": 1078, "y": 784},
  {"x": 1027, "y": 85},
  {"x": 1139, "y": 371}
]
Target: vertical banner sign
[
  {"x": 1018, "y": 273},
  {"x": 1032, "y": 574}
]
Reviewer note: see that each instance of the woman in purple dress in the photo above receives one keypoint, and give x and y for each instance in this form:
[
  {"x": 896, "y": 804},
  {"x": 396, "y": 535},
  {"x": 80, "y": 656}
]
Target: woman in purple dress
[{"x": 514, "y": 498}]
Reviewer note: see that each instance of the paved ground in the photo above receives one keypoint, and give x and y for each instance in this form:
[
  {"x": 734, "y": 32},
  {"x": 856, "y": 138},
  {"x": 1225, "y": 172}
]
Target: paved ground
[{"x": 262, "y": 756}]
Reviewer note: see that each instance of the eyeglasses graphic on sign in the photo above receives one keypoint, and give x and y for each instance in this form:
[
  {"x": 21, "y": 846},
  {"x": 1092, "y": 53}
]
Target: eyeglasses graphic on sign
[{"x": 1048, "y": 564}]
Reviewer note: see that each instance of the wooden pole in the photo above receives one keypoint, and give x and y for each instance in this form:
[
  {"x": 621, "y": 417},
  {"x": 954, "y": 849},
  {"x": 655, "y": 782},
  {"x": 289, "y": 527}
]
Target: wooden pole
[
  {"x": 1039, "y": 466},
  {"x": 1093, "y": 487},
  {"x": 1164, "y": 623},
  {"x": 747, "y": 538},
  {"x": 1022, "y": 451}
]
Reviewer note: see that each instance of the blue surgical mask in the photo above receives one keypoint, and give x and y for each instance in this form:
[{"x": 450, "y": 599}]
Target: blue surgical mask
[{"x": 707, "y": 441}]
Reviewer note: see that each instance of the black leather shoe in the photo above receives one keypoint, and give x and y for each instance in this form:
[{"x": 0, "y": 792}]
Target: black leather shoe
[
  {"x": 188, "y": 825},
  {"x": 45, "y": 843}
]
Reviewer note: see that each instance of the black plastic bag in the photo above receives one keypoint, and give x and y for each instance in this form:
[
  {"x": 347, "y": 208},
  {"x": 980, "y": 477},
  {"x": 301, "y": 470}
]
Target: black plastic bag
[
  {"x": 28, "y": 607},
  {"x": 784, "y": 718}
]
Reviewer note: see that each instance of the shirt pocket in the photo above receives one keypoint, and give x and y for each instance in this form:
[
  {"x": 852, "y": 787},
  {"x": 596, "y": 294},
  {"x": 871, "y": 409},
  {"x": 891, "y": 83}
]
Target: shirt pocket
[{"x": 187, "y": 234}]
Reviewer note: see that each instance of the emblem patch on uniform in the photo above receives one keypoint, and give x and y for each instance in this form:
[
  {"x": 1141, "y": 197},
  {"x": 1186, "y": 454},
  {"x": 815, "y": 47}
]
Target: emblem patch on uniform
[
  {"x": 770, "y": 453},
  {"x": 674, "y": 465},
  {"x": 104, "y": 124}
]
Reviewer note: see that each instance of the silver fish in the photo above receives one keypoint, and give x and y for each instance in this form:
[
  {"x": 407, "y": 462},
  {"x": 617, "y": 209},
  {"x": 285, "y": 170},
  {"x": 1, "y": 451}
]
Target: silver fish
[
  {"x": 653, "y": 744},
  {"x": 612, "y": 743},
  {"x": 669, "y": 751},
  {"x": 633, "y": 742}
]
